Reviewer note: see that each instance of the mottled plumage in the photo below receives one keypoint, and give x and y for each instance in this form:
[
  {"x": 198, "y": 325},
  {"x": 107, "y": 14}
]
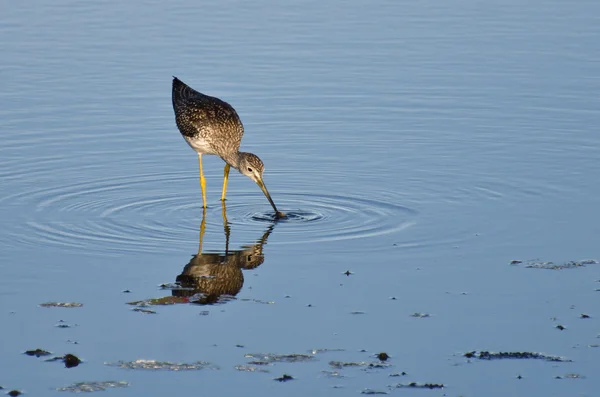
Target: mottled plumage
[{"x": 206, "y": 122}]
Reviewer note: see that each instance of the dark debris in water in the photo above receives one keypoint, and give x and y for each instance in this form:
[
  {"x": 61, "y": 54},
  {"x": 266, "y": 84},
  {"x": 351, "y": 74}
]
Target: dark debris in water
[
  {"x": 70, "y": 360},
  {"x": 38, "y": 352},
  {"x": 162, "y": 365},
  {"x": 61, "y": 304},
  {"x": 486, "y": 355},
  {"x": 383, "y": 356},
  {"x": 415, "y": 385},
  {"x": 63, "y": 324},
  {"x": 284, "y": 378},
  {"x": 537, "y": 264},
  {"x": 259, "y": 363},
  {"x": 14, "y": 393},
  {"x": 273, "y": 358},
  {"x": 88, "y": 387}
]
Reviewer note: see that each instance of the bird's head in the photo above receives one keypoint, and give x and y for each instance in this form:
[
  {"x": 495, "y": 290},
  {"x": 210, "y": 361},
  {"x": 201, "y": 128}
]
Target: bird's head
[{"x": 253, "y": 167}]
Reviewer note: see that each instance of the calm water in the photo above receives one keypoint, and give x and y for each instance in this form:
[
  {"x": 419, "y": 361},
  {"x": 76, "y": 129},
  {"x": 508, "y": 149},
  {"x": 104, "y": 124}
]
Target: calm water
[{"x": 424, "y": 146}]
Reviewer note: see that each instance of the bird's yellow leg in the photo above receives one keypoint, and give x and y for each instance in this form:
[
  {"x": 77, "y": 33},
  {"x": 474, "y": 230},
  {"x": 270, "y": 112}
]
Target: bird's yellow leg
[
  {"x": 202, "y": 229},
  {"x": 202, "y": 181},
  {"x": 225, "y": 179},
  {"x": 224, "y": 213},
  {"x": 225, "y": 226}
]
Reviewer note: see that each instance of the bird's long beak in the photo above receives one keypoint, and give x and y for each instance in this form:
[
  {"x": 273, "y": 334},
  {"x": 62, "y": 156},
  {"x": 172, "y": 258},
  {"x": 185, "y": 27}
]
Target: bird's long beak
[{"x": 262, "y": 186}]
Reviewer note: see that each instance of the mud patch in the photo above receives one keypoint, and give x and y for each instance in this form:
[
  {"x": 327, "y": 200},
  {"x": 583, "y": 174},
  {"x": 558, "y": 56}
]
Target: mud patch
[
  {"x": 250, "y": 368},
  {"x": 61, "y": 304},
  {"x": 537, "y": 264},
  {"x": 486, "y": 355},
  {"x": 363, "y": 364},
  {"x": 276, "y": 358},
  {"x": 415, "y": 385},
  {"x": 163, "y": 365},
  {"x": 88, "y": 387}
]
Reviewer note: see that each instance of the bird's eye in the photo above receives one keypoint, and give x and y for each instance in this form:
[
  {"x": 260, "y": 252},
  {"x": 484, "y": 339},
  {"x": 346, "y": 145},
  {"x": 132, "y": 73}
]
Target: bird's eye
[{"x": 249, "y": 169}]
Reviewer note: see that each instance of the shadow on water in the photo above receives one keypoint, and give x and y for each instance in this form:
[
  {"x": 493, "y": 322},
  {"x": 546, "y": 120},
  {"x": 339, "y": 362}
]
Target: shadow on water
[{"x": 212, "y": 275}]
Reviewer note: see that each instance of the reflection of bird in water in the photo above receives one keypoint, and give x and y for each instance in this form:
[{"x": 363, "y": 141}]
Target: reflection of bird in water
[
  {"x": 212, "y": 126},
  {"x": 212, "y": 275}
]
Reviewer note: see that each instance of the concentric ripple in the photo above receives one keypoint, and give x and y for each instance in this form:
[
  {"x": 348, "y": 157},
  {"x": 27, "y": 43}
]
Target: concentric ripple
[{"x": 162, "y": 213}]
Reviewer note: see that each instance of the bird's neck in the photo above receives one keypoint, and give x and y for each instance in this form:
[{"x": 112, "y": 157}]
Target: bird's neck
[{"x": 233, "y": 160}]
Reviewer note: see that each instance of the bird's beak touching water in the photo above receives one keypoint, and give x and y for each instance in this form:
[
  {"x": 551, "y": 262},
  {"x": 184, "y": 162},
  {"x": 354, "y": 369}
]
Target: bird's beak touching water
[{"x": 262, "y": 186}]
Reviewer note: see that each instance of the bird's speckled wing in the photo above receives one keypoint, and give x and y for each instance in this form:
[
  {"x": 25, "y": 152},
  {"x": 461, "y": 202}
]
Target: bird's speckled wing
[{"x": 209, "y": 118}]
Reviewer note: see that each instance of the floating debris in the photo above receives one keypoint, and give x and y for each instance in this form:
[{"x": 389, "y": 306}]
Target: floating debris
[
  {"x": 88, "y": 387},
  {"x": 259, "y": 363},
  {"x": 250, "y": 368},
  {"x": 288, "y": 358},
  {"x": 284, "y": 378},
  {"x": 515, "y": 262},
  {"x": 415, "y": 385},
  {"x": 126, "y": 291},
  {"x": 570, "y": 376},
  {"x": 317, "y": 351},
  {"x": 584, "y": 315},
  {"x": 348, "y": 273},
  {"x": 485, "y": 355},
  {"x": 420, "y": 315},
  {"x": 163, "y": 365},
  {"x": 71, "y": 360},
  {"x": 561, "y": 327},
  {"x": 257, "y": 301},
  {"x": 142, "y": 310},
  {"x": 357, "y": 312},
  {"x": 537, "y": 264},
  {"x": 38, "y": 353},
  {"x": 204, "y": 313},
  {"x": 63, "y": 324},
  {"x": 164, "y": 301},
  {"x": 371, "y": 392},
  {"x": 383, "y": 356},
  {"x": 14, "y": 393},
  {"x": 345, "y": 364},
  {"x": 342, "y": 364},
  {"x": 61, "y": 304},
  {"x": 332, "y": 374},
  {"x": 400, "y": 374}
]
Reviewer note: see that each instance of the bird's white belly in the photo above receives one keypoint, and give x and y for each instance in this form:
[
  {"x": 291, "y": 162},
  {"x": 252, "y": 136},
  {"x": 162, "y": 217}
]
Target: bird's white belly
[{"x": 200, "y": 145}]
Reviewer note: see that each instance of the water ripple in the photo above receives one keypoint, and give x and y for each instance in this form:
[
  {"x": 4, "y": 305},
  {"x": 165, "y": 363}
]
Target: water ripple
[{"x": 151, "y": 213}]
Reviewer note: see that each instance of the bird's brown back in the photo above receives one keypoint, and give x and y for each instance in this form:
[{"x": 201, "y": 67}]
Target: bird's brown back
[{"x": 200, "y": 116}]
